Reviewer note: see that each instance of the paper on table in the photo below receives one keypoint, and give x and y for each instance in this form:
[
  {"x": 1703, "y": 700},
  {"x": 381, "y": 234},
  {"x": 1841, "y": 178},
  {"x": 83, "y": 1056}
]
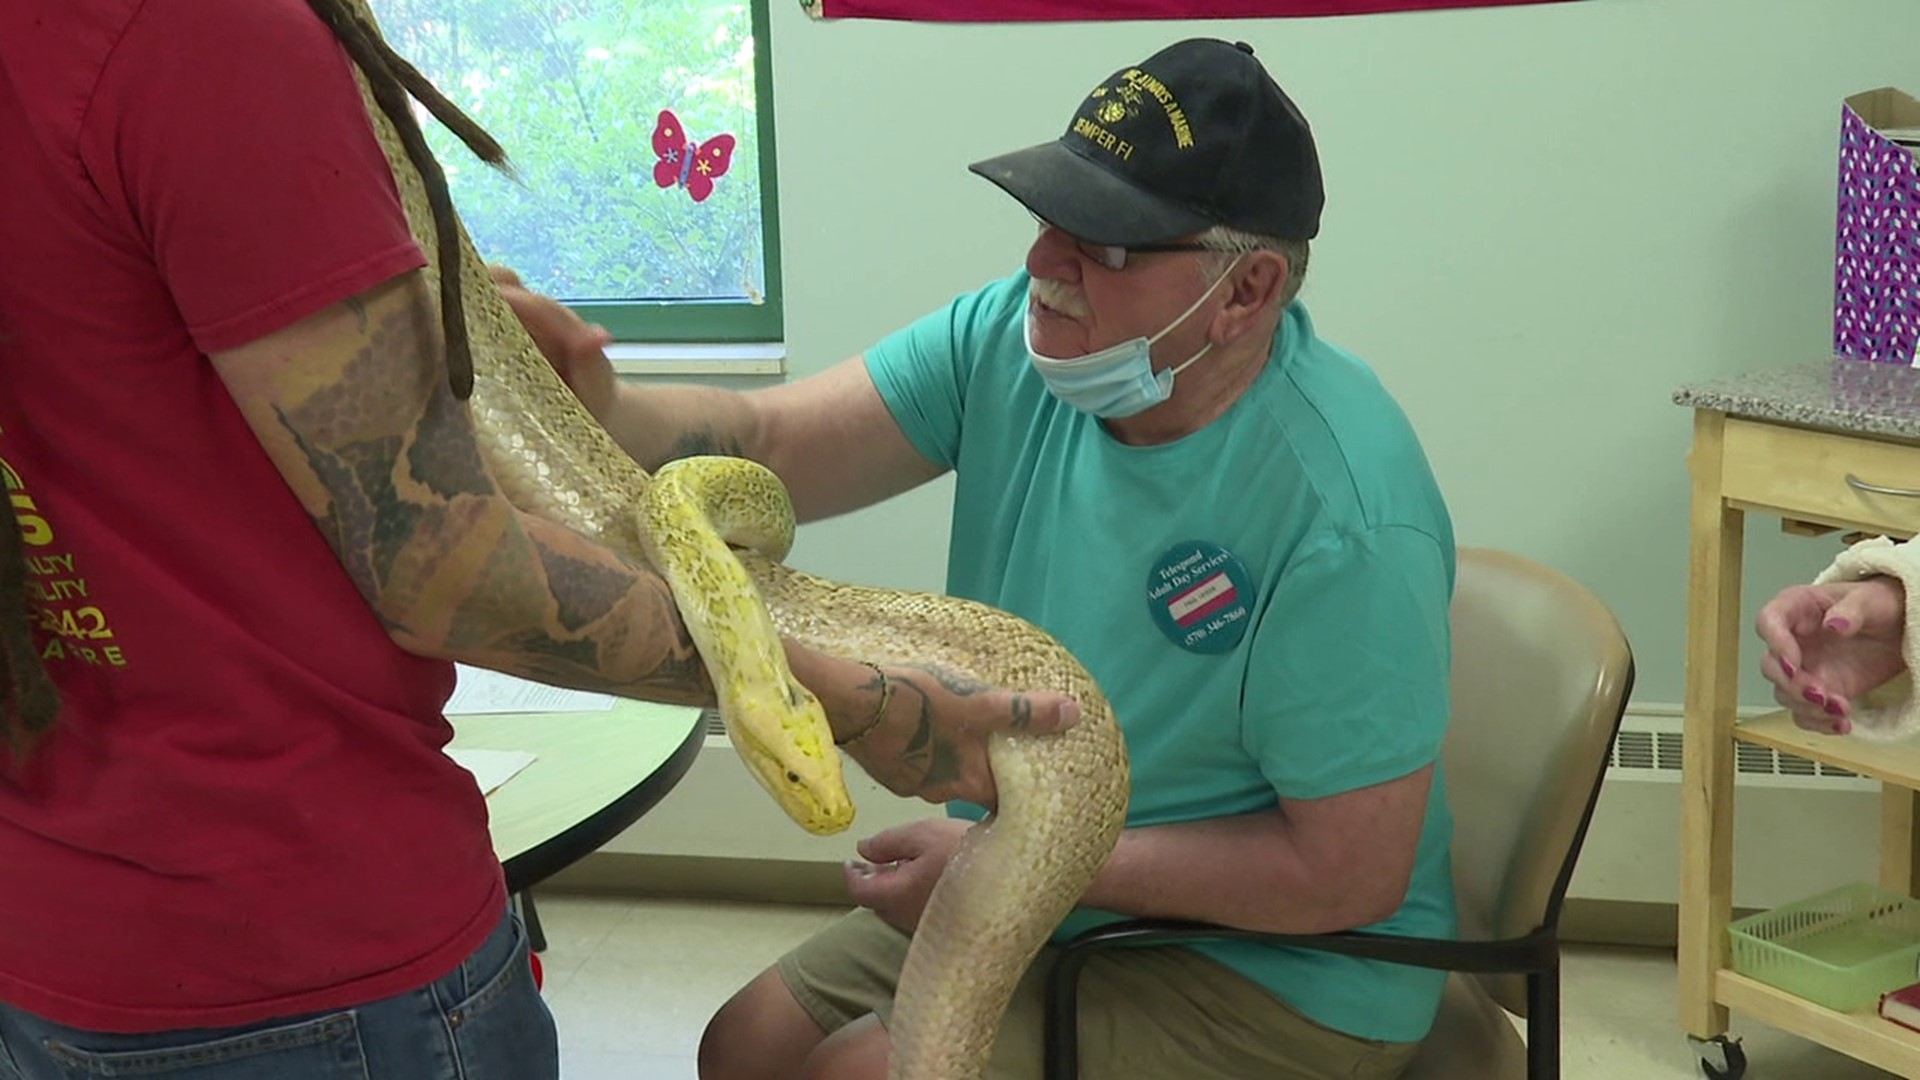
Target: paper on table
[
  {"x": 482, "y": 691},
  {"x": 491, "y": 768}
]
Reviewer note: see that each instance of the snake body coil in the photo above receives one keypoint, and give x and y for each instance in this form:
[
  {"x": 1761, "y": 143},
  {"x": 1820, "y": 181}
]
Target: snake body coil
[{"x": 1062, "y": 798}]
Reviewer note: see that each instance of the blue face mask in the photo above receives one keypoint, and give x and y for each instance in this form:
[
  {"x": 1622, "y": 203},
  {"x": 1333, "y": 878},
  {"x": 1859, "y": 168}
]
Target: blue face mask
[{"x": 1118, "y": 380}]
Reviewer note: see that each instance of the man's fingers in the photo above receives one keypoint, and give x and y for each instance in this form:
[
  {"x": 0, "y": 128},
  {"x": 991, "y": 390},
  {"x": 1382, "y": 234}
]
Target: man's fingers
[
  {"x": 588, "y": 345},
  {"x": 503, "y": 275},
  {"x": 883, "y": 846},
  {"x": 863, "y": 880}
]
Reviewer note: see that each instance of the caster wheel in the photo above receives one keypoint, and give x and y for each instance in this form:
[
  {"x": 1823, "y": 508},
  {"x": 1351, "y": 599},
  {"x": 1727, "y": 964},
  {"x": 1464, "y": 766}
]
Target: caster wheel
[{"x": 1721, "y": 1058}]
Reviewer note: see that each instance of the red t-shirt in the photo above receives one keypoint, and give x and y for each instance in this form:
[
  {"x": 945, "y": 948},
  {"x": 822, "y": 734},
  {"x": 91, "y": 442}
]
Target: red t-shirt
[{"x": 245, "y": 811}]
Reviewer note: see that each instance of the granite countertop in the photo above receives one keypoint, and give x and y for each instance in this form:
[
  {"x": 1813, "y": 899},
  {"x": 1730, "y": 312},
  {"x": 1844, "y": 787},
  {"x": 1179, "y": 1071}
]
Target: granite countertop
[{"x": 1842, "y": 395}]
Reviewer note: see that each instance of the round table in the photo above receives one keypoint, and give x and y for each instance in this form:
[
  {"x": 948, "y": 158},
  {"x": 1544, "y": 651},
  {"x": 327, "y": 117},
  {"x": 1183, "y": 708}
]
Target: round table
[{"x": 593, "y": 774}]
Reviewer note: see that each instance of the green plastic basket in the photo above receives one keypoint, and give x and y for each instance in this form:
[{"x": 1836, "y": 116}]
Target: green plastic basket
[{"x": 1841, "y": 949}]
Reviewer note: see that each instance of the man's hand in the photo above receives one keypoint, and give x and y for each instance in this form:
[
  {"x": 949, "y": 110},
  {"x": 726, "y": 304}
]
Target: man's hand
[
  {"x": 575, "y": 348},
  {"x": 1829, "y": 644},
  {"x": 900, "y": 868}
]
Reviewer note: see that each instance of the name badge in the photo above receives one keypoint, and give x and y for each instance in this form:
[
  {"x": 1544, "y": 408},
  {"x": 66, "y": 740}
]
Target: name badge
[{"x": 1200, "y": 596}]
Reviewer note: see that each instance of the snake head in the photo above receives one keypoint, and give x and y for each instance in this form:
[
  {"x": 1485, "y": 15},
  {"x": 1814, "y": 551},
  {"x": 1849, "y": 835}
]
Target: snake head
[{"x": 787, "y": 746}]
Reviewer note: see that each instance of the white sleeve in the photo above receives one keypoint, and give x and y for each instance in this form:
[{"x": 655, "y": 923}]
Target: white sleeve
[{"x": 1897, "y": 716}]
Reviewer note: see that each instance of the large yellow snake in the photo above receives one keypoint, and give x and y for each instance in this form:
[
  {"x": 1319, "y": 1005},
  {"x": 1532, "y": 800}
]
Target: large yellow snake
[{"x": 1062, "y": 798}]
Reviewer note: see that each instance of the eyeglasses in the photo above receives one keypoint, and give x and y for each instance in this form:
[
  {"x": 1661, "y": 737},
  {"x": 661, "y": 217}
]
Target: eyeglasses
[{"x": 1114, "y": 256}]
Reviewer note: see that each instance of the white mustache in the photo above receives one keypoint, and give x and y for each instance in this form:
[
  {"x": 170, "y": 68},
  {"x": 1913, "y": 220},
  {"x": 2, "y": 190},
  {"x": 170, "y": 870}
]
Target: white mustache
[{"x": 1060, "y": 297}]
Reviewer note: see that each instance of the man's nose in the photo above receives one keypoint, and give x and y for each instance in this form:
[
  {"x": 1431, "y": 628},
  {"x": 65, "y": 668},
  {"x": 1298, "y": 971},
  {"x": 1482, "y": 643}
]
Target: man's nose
[{"x": 1054, "y": 255}]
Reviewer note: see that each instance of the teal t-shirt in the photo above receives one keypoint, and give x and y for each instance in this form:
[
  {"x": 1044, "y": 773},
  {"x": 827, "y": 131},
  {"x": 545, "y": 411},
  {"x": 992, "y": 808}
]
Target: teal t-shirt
[{"x": 1264, "y": 601}]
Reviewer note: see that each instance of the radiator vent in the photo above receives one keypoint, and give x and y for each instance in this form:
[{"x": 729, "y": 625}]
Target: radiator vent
[
  {"x": 1651, "y": 750},
  {"x": 1650, "y": 747}
]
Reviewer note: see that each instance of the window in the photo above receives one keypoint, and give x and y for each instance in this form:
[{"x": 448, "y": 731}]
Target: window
[{"x": 575, "y": 90}]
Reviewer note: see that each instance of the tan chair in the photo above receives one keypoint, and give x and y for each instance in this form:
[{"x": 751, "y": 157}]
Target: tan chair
[{"x": 1541, "y": 677}]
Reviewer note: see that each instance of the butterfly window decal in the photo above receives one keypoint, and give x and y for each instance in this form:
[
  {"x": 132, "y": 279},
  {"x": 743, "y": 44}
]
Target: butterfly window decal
[{"x": 685, "y": 163}]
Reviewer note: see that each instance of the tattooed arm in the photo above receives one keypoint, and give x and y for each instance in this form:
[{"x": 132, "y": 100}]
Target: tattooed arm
[
  {"x": 829, "y": 437},
  {"x": 367, "y": 435}
]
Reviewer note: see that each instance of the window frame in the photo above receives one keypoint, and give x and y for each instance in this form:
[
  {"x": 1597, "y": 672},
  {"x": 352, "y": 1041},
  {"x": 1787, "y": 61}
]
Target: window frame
[{"x": 718, "y": 321}]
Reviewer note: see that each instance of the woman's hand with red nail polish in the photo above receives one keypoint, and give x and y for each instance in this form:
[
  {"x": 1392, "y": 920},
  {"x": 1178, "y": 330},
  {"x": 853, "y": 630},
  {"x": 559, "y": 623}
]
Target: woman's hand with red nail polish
[{"x": 1828, "y": 645}]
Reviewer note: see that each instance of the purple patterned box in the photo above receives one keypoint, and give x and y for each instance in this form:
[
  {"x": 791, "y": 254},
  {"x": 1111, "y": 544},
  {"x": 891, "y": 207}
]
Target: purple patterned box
[{"x": 1876, "y": 309}]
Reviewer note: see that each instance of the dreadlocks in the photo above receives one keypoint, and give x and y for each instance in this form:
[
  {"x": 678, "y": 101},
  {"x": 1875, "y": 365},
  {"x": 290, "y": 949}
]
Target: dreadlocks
[
  {"x": 28, "y": 701},
  {"x": 391, "y": 79}
]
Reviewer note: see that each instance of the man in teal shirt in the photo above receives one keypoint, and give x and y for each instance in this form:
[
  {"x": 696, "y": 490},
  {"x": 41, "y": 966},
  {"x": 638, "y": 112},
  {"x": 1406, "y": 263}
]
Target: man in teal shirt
[
  {"x": 1231, "y": 524},
  {"x": 1263, "y": 599}
]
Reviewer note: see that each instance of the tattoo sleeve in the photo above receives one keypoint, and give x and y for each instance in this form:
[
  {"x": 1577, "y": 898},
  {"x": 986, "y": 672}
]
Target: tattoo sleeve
[
  {"x": 413, "y": 514},
  {"x": 929, "y": 754}
]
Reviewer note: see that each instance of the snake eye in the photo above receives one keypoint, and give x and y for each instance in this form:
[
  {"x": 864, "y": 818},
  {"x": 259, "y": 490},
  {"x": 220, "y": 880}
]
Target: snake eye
[{"x": 793, "y": 777}]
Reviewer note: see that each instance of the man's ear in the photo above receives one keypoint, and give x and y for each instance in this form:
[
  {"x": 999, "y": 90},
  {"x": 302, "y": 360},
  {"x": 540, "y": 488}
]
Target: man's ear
[{"x": 1256, "y": 286}]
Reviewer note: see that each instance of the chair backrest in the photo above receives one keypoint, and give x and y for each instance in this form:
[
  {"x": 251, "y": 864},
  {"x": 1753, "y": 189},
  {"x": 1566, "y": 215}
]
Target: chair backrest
[{"x": 1541, "y": 677}]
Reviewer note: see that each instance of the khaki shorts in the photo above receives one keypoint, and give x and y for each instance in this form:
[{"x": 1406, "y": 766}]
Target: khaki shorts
[{"x": 1145, "y": 1014}]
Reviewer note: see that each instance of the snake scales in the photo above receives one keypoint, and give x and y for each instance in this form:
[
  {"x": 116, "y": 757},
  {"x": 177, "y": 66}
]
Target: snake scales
[{"x": 1062, "y": 798}]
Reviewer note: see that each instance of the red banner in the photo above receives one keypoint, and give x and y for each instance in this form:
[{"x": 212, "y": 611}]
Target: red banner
[{"x": 1120, "y": 10}]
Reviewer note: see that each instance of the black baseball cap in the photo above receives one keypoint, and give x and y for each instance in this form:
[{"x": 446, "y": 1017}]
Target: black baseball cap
[{"x": 1196, "y": 135}]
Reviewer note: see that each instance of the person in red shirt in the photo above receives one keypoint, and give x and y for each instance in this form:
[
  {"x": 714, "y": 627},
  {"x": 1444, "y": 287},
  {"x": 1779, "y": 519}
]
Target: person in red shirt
[{"x": 255, "y": 531}]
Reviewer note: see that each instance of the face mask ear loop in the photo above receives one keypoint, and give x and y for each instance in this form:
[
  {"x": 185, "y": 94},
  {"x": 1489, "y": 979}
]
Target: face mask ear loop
[
  {"x": 1228, "y": 272},
  {"x": 1204, "y": 349},
  {"x": 1191, "y": 360}
]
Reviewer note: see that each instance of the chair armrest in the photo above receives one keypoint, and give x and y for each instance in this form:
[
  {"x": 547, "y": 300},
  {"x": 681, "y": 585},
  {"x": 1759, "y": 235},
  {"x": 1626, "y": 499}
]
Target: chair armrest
[{"x": 1535, "y": 952}]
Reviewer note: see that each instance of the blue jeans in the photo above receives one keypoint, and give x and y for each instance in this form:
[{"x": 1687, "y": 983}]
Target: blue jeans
[{"x": 482, "y": 1021}]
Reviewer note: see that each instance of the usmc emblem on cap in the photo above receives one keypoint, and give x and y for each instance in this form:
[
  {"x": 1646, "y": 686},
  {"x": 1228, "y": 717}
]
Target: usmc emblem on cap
[{"x": 1125, "y": 103}]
